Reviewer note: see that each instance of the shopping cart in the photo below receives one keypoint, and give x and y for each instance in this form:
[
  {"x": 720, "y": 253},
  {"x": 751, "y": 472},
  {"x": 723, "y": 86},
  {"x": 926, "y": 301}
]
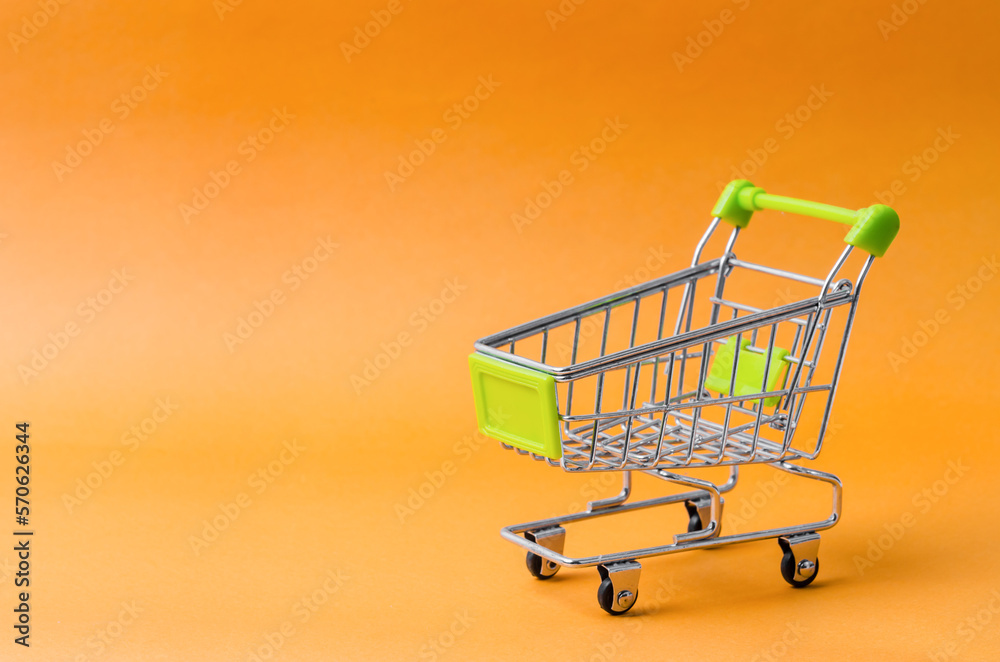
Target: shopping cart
[{"x": 604, "y": 386}]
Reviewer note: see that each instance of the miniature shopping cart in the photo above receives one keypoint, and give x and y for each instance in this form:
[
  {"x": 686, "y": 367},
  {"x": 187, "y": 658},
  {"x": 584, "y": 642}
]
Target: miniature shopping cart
[{"x": 746, "y": 375}]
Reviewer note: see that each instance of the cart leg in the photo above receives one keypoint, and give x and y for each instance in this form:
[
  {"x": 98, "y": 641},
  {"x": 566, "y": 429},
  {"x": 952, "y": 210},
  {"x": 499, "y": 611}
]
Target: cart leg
[
  {"x": 711, "y": 525},
  {"x": 734, "y": 476},
  {"x": 553, "y": 538},
  {"x": 800, "y": 563},
  {"x": 616, "y": 500},
  {"x": 619, "y": 587}
]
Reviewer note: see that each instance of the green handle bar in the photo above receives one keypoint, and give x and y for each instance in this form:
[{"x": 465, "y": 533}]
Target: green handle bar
[{"x": 872, "y": 228}]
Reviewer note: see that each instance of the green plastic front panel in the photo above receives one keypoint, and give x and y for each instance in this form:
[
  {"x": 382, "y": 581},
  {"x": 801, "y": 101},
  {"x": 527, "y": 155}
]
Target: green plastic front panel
[
  {"x": 516, "y": 405},
  {"x": 749, "y": 372}
]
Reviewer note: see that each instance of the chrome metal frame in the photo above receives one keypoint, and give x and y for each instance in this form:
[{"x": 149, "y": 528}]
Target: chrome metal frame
[
  {"x": 673, "y": 427},
  {"x": 682, "y": 541}
]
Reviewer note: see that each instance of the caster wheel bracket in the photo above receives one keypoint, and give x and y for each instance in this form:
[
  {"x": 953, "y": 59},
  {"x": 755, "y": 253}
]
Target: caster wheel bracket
[
  {"x": 801, "y": 561},
  {"x": 553, "y": 538}
]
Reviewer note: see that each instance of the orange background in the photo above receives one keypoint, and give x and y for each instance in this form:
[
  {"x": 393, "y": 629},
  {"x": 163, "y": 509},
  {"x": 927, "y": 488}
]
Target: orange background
[{"x": 439, "y": 583}]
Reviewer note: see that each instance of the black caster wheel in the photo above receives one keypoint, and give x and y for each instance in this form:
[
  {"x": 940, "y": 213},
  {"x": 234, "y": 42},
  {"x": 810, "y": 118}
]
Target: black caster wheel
[
  {"x": 694, "y": 523},
  {"x": 619, "y": 587},
  {"x": 552, "y": 538},
  {"x": 607, "y": 599},
  {"x": 800, "y": 560},
  {"x": 788, "y": 567},
  {"x": 540, "y": 568},
  {"x": 699, "y": 513}
]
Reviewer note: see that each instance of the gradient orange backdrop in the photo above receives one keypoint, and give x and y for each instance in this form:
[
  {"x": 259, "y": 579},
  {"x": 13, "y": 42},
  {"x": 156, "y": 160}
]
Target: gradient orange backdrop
[{"x": 200, "y": 241}]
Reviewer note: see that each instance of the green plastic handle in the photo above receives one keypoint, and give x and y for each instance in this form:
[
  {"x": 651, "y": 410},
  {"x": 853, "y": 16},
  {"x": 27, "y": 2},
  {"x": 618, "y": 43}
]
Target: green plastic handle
[{"x": 872, "y": 228}]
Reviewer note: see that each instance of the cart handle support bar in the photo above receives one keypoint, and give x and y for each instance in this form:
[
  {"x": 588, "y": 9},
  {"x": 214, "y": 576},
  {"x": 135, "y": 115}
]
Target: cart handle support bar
[{"x": 872, "y": 228}]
